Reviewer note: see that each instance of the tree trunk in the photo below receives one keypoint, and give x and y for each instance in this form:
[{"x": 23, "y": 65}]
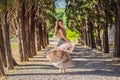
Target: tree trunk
[
  {"x": 117, "y": 29},
  {"x": 47, "y": 39},
  {"x": 27, "y": 37},
  {"x": 45, "y": 34},
  {"x": 24, "y": 34},
  {"x": 82, "y": 37},
  {"x": 105, "y": 39},
  {"x": 91, "y": 35},
  {"x": 32, "y": 31},
  {"x": 87, "y": 36},
  {"x": 7, "y": 43},
  {"x": 2, "y": 48},
  {"x": 20, "y": 41},
  {"x": 2, "y": 73},
  {"x": 3, "y": 61},
  {"x": 38, "y": 40},
  {"x": 41, "y": 35},
  {"x": 105, "y": 34},
  {"x": 98, "y": 40}
]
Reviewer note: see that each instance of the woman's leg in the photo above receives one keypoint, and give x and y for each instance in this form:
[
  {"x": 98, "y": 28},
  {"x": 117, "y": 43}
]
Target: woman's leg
[
  {"x": 60, "y": 70},
  {"x": 63, "y": 70}
]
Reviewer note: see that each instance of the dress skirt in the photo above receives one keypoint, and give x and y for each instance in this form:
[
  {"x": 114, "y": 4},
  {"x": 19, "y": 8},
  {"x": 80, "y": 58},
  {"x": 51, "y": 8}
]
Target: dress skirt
[{"x": 60, "y": 56}]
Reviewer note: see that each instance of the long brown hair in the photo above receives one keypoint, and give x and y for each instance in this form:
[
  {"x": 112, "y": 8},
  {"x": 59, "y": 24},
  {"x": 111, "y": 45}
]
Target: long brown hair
[{"x": 57, "y": 27}]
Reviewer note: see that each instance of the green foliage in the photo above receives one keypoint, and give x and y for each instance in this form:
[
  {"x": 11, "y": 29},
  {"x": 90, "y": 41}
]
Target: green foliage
[
  {"x": 10, "y": 2},
  {"x": 79, "y": 13},
  {"x": 50, "y": 34},
  {"x": 47, "y": 11},
  {"x": 5, "y": 4},
  {"x": 72, "y": 35},
  {"x": 59, "y": 13},
  {"x": 2, "y": 7}
]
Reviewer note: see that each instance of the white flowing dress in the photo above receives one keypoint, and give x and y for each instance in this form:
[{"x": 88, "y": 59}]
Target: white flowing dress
[{"x": 60, "y": 55}]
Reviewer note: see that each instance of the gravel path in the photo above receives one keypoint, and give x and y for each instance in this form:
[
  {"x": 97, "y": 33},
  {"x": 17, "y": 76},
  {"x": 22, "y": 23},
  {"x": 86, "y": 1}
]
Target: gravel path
[{"x": 90, "y": 65}]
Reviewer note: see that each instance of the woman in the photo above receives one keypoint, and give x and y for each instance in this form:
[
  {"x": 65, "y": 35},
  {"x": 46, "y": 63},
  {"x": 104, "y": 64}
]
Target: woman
[
  {"x": 60, "y": 56},
  {"x": 60, "y": 32}
]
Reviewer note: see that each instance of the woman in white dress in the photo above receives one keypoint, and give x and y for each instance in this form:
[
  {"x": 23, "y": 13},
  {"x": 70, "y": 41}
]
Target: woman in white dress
[{"x": 59, "y": 56}]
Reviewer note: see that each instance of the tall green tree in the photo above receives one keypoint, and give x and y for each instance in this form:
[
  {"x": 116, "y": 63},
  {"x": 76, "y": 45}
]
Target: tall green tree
[{"x": 90, "y": 18}]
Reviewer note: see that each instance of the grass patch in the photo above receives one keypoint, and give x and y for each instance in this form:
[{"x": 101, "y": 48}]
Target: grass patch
[
  {"x": 14, "y": 45},
  {"x": 50, "y": 34}
]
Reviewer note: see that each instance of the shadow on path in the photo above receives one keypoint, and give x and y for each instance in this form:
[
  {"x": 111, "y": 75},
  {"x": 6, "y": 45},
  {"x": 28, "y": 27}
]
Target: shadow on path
[{"x": 87, "y": 62}]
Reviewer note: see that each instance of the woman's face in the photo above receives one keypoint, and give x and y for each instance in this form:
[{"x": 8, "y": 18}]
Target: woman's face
[{"x": 60, "y": 23}]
